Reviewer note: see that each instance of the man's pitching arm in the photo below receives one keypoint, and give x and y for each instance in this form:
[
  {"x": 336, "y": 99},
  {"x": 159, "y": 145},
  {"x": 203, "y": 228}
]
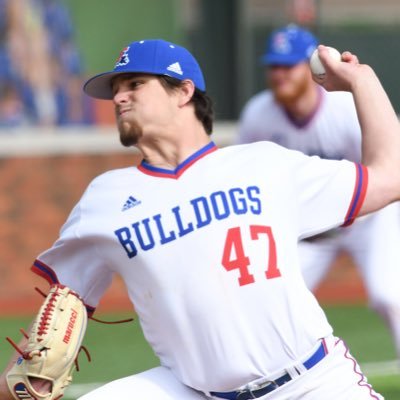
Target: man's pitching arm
[{"x": 379, "y": 124}]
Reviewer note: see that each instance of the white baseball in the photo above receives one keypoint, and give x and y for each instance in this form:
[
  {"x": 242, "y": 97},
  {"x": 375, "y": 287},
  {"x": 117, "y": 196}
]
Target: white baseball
[{"x": 315, "y": 63}]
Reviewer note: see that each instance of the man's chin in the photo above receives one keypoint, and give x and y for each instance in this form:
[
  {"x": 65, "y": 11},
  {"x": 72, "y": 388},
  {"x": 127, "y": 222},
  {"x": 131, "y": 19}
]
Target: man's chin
[
  {"x": 285, "y": 98},
  {"x": 128, "y": 140},
  {"x": 127, "y": 134}
]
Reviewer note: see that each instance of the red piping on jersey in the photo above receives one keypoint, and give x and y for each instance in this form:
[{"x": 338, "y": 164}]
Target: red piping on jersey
[
  {"x": 46, "y": 272},
  {"x": 325, "y": 346},
  {"x": 181, "y": 168},
  {"x": 360, "y": 190},
  {"x": 362, "y": 382}
]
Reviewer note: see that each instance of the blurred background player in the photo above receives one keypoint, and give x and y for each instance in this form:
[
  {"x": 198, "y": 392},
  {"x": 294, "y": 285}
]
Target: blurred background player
[
  {"x": 41, "y": 71},
  {"x": 299, "y": 114}
]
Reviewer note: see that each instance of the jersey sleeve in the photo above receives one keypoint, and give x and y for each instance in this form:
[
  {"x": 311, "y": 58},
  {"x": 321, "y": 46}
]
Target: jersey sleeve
[
  {"x": 330, "y": 193},
  {"x": 74, "y": 261}
]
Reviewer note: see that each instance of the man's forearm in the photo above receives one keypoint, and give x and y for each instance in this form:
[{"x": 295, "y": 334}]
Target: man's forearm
[
  {"x": 380, "y": 138},
  {"x": 4, "y": 392},
  {"x": 379, "y": 125}
]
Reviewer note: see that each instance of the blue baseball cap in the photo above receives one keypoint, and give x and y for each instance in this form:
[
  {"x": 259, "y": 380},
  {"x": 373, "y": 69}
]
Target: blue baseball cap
[
  {"x": 289, "y": 46},
  {"x": 152, "y": 56}
]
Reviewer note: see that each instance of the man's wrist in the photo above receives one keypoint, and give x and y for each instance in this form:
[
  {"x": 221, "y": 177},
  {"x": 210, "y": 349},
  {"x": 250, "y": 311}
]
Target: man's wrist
[{"x": 4, "y": 391}]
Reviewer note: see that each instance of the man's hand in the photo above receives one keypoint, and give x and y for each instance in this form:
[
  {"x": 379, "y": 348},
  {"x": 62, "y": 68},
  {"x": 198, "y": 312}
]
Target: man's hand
[{"x": 344, "y": 75}]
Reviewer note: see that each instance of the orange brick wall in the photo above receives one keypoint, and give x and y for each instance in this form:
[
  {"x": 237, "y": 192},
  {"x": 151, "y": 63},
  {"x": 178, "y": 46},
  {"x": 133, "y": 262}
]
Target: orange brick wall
[{"x": 36, "y": 196}]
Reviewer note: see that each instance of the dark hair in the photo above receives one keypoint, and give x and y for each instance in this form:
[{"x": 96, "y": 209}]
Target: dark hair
[{"x": 203, "y": 105}]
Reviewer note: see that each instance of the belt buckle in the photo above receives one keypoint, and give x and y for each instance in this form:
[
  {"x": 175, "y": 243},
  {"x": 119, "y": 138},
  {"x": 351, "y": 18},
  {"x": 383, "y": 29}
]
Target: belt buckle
[
  {"x": 241, "y": 394},
  {"x": 245, "y": 393}
]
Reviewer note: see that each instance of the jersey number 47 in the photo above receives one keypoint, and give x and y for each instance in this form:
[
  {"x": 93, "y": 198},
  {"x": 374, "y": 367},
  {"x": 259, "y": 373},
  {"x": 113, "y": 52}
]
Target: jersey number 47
[{"x": 241, "y": 262}]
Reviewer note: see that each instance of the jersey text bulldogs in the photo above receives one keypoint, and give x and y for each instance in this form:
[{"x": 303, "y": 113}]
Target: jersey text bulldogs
[{"x": 148, "y": 232}]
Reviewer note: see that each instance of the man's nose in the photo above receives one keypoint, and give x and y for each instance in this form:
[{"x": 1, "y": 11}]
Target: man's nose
[{"x": 120, "y": 96}]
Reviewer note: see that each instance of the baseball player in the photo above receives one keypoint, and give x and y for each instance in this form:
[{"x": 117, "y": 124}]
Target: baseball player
[
  {"x": 205, "y": 238},
  {"x": 297, "y": 113}
]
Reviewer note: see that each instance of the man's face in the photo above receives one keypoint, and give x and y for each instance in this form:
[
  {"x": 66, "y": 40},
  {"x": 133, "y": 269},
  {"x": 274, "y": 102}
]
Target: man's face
[
  {"x": 142, "y": 106},
  {"x": 289, "y": 83}
]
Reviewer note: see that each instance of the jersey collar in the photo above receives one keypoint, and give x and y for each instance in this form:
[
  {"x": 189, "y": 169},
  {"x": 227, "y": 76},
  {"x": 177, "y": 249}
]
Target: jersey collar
[{"x": 181, "y": 168}]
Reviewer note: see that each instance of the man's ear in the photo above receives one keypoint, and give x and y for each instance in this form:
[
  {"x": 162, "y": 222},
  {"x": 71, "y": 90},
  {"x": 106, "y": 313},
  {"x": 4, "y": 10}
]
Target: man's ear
[{"x": 186, "y": 92}]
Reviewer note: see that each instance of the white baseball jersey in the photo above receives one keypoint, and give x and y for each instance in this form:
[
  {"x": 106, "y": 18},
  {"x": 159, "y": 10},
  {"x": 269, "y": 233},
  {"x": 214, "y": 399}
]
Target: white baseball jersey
[
  {"x": 208, "y": 253},
  {"x": 331, "y": 132}
]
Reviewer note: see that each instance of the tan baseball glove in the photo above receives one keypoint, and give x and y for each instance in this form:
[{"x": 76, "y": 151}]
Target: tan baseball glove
[{"x": 53, "y": 346}]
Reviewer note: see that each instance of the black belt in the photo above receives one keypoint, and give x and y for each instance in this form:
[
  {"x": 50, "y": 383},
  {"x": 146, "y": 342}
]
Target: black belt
[{"x": 248, "y": 394}]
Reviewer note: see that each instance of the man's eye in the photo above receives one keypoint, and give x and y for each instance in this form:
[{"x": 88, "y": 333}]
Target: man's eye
[{"x": 134, "y": 84}]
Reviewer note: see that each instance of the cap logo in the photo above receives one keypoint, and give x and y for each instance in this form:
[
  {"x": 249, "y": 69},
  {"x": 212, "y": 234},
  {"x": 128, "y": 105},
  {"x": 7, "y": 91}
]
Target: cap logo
[
  {"x": 154, "y": 57},
  {"x": 175, "y": 67},
  {"x": 281, "y": 43},
  {"x": 123, "y": 58}
]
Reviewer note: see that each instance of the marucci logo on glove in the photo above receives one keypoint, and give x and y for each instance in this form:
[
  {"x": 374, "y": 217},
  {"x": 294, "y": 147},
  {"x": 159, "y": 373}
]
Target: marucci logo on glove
[{"x": 70, "y": 326}]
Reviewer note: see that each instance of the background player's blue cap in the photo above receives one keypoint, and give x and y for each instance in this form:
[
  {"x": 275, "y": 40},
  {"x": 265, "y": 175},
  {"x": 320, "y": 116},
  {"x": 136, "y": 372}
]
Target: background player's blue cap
[
  {"x": 153, "y": 56},
  {"x": 289, "y": 46}
]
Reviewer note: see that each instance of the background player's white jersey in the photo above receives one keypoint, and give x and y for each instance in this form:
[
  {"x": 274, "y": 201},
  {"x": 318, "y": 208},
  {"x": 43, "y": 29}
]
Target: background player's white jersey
[
  {"x": 331, "y": 132},
  {"x": 190, "y": 244}
]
